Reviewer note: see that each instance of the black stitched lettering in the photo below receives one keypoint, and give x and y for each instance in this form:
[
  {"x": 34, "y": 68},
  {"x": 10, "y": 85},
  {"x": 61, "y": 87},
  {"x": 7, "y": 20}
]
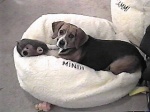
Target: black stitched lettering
[
  {"x": 122, "y": 6},
  {"x": 77, "y": 66},
  {"x": 127, "y": 8},
  {"x": 65, "y": 63},
  {"x": 73, "y": 65},
  {"x": 69, "y": 64},
  {"x": 82, "y": 67}
]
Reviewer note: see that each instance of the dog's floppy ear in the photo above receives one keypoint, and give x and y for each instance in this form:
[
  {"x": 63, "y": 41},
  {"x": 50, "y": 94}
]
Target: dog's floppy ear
[
  {"x": 55, "y": 27},
  {"x": 81, "y": 38}
]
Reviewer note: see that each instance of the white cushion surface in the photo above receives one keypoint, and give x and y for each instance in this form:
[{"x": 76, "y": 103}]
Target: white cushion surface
[
  {"x": 54, "y": 80},
  {"x": 131, "y": 17}
]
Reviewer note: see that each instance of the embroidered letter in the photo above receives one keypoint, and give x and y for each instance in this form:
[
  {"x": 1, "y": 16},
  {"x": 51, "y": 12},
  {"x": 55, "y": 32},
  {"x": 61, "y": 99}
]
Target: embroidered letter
[
  {"x": 82, "y": 68},
  {"x": 73, "y": 65},
  {"x": 65, "y": 63}
]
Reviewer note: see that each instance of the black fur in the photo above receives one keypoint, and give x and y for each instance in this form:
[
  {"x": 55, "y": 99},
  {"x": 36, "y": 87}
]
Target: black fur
[
  {"x": 145, "y": 47},
  {"x": 99, "y": 54}
]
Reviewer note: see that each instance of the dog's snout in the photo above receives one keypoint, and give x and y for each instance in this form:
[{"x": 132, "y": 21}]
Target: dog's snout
[{"x": 61, "y": 43}]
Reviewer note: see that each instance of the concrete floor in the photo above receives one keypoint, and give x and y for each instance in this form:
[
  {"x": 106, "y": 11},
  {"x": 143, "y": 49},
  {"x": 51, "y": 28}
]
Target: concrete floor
[{"x": 15, "y": 18}]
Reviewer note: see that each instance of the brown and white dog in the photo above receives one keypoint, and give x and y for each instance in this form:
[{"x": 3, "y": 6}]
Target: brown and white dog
[{"x": 111, "y": 55}]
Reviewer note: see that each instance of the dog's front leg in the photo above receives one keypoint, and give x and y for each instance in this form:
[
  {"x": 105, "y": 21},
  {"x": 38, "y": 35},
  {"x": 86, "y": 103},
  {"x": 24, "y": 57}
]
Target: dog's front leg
[{"x": 52, "y": 47}]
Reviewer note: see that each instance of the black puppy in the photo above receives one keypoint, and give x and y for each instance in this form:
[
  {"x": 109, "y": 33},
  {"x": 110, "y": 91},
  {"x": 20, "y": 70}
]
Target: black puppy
[
  {"x": 144, "y": 46},
  {"x": 28, "y": 47}
]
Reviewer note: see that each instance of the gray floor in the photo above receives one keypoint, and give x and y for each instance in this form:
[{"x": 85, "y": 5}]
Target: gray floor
[{"x": 15, "y": 18}]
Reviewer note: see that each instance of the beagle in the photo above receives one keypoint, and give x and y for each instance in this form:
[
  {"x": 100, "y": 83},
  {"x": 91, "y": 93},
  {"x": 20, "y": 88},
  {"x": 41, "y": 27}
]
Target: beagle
[{"x": 110, "y": 55}]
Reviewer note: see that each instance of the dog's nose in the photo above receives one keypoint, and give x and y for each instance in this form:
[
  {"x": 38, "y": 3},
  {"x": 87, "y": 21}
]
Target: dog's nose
[{"x": 61, "y": 43}]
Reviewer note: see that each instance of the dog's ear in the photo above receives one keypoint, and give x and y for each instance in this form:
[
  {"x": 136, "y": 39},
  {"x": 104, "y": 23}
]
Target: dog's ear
[
  {"x": 81, "y": 38},
  {"x": 55, "y": 27}
]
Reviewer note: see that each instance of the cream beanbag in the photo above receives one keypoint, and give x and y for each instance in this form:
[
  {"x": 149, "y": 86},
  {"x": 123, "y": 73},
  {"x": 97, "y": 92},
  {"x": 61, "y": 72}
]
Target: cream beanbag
[
  {"x": 131, "y": 17},
  {"x": 66, "y": 83}
]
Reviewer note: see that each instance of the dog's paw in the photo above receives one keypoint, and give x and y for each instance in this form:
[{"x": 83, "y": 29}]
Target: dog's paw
[{"x": 44, "y": 106}]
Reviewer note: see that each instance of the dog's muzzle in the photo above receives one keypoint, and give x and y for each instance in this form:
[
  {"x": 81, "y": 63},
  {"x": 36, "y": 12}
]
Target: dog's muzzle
[
  {"x": 61, "y": 44},
  {"x": 65, "y": 51},
  {"x": 62, "y": 47}
]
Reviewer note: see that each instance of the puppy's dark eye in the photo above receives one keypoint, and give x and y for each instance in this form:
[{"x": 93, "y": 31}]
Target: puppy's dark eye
[
  {"x": 71, "y": 36},
  {"x": 61, "y": 32}
]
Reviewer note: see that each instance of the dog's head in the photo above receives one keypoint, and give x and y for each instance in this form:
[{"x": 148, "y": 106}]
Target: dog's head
[{"x": 68, "y": 36}]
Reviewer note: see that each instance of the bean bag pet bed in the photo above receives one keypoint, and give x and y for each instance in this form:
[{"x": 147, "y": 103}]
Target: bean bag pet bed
[
  {"x": 131, "y": 17},
  {"x": 57, "y": 81}
]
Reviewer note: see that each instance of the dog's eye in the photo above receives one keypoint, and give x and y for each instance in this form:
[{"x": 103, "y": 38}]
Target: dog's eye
[
  {"x": 61, "y": 32},
  {"x": 71, "y": 36}
]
